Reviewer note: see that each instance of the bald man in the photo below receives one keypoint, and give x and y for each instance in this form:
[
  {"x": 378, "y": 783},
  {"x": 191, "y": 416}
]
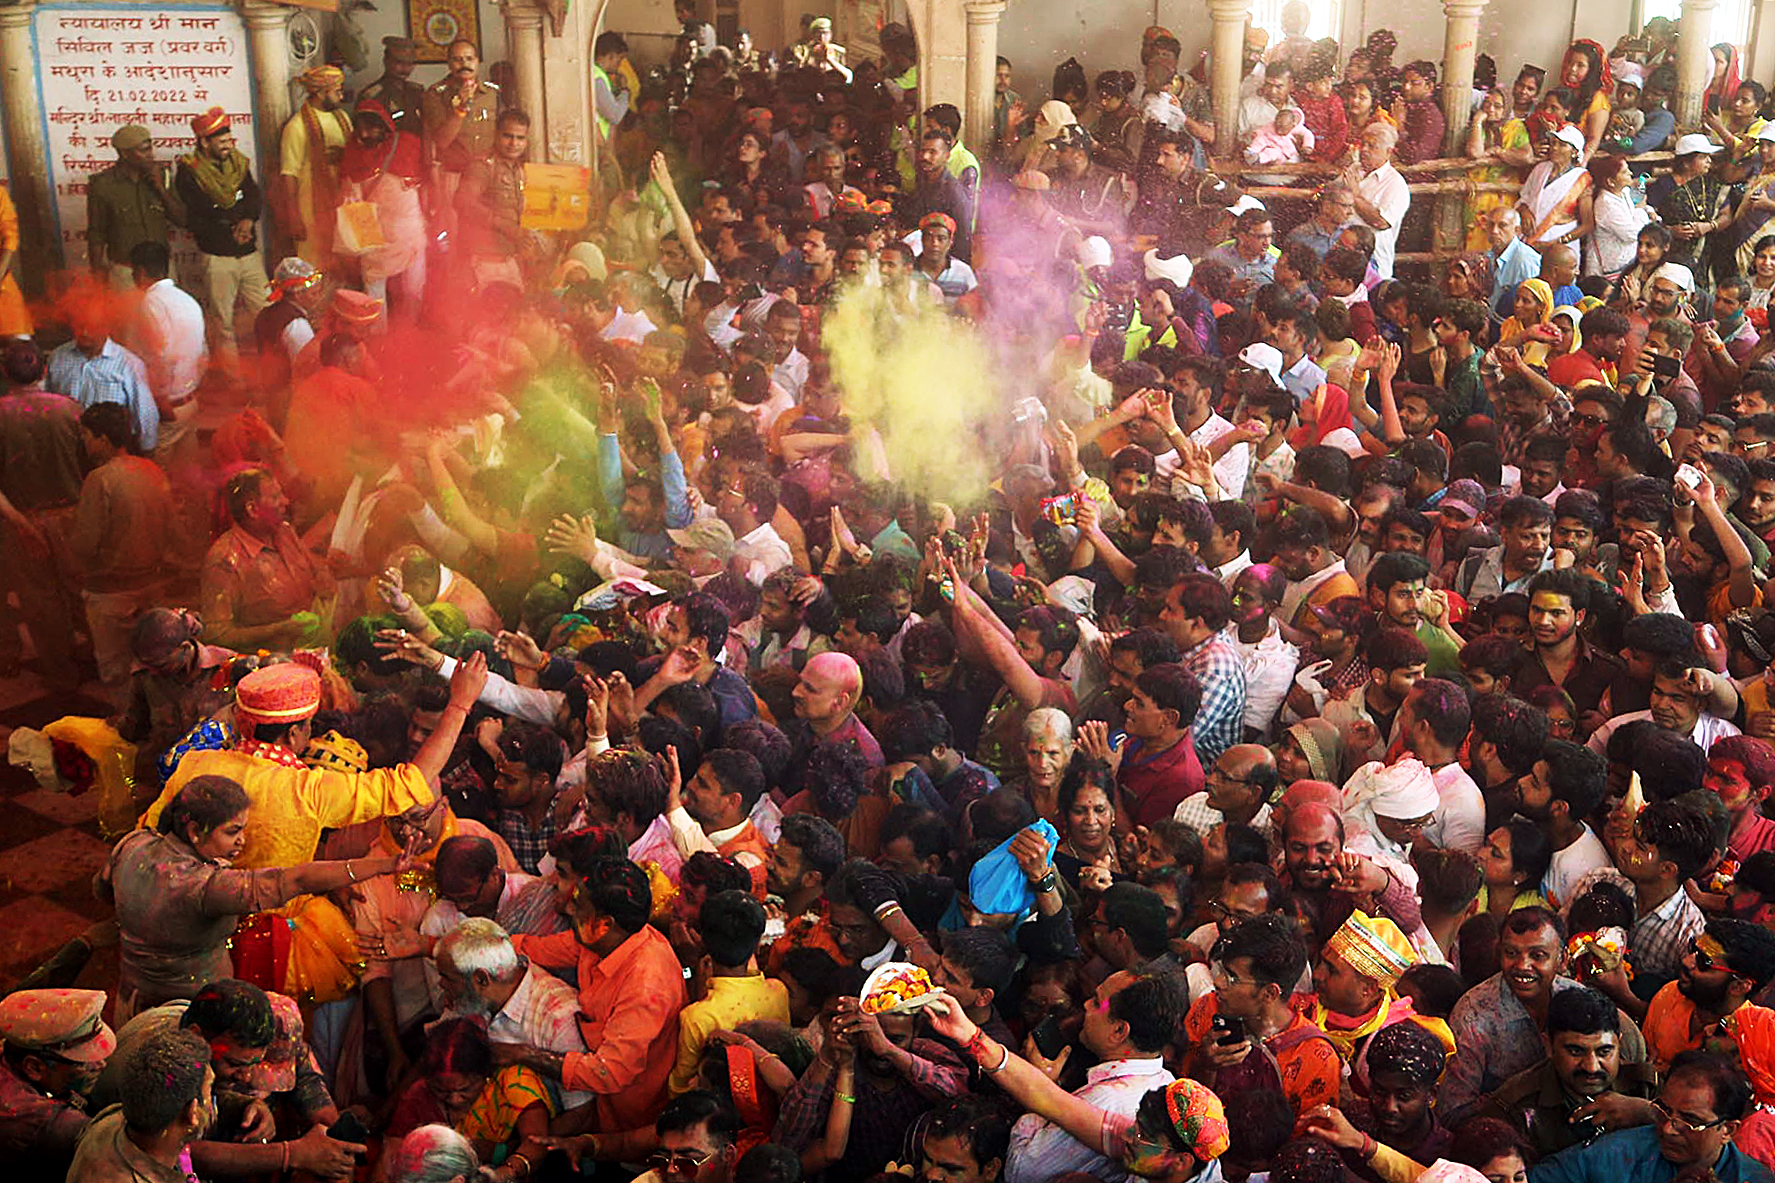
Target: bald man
[
  {"x": 1239, "y": 789},
  {"x": 826, "y": 709},
  {"x": 1315, "y": 865}
]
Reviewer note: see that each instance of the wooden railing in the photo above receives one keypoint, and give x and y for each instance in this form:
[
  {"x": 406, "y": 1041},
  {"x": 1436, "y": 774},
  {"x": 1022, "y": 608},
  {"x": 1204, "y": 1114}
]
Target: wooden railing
[{"x": 1426, "y": 178}]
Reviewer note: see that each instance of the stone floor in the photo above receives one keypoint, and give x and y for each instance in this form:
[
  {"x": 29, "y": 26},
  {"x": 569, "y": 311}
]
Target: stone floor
[{"x": 50, "y": 846}]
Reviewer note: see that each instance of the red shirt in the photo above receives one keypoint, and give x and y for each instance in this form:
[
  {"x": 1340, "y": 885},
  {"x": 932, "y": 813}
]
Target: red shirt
[
  {"x": 1158, "y": 784},
  {"x": 1569, "y": 369}
]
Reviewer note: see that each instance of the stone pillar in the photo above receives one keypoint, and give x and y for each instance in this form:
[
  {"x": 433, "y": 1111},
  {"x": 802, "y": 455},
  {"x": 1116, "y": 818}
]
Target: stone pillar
[
  {"x": 1226, "y": 55},
  {"x": 523, "y": 45},
  {"x": 271, "y": 77},
  {"x": 943, "y": 33},
  {"x": 1694, "y": 62},
  {"x": 1459, "y": 45},
  {"x": 983, "y": 17},
  {"x": 39, "y": 248}
]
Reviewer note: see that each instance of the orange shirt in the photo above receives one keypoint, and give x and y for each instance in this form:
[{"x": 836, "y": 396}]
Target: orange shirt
[
  {"x": 628, "y": 1013},
  {"x": 1311, "y": 1069},
  {"x": 1747, "y": 1033}
]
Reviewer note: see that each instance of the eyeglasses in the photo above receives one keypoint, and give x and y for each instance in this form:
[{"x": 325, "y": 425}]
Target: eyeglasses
[
  {"x": 1413, "y": 823},
  {"x": 683, "y": 1162},
  {"x": 1578, "y": 420},
  {"x": 1664, "y": 1116},
  {"x": 1221, "y": 912}
]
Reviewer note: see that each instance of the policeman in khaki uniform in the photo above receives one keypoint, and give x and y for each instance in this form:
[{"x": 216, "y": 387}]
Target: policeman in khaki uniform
[
  {"x": 55, "y": 1043},
  {"x": 817, "y": 48},
  {"x": 396, "y": 90},
  {"x": 460, "y": 115}
]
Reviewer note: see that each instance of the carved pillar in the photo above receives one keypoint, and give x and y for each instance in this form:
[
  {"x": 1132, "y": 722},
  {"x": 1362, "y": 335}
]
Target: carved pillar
[
  {"x": 983, "y": 18},
  {"x": 1694, "y": 62},
  {"x": 40, "y": 251},
  {"x": 523, "y": 41},
  {"x": 1226, "y": 54}
]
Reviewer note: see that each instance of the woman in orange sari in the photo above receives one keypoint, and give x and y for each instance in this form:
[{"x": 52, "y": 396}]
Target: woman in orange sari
[{"x": 1552, "y": 199}]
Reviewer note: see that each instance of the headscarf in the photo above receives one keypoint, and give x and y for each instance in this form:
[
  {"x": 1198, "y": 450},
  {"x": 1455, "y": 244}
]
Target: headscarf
[
  {"x": 402, "y": 155},
  {"x": 1053, "y": 116},
  {"x": 1333, "y": 406},
  {"x": 1323, "y": 746},
  {"x": 1599, "y": 81},
  {"x": 1577, "y": 337},
  {"x": 1478, "y": 266},
  {"x": 1199, "y": 1119},
  {"x": 1543, "y": 295},
  {"x": 1713, "y": 99}
]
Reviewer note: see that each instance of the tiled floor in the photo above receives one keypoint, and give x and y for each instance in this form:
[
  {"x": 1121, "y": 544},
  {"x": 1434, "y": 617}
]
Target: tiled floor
[{"x": 50, "y": 847}]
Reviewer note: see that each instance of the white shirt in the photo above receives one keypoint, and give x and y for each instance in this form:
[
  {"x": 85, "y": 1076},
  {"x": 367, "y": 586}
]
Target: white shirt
[
  {"x": 1572, "y": 864},
  {"x": 1707, "y": 730},
  {"x": 1269, "y": 672},
  {"x": 764, "y": 415},
  {"x": 1255, "y": 113},
  {"x": 791, "y": 373},
  {"x": 296, "y": 336},
  {"x": 1042, "y": 1150},
  {"x": 1229, "y": 471},
  {"x": 628, "y": 326},
  {"x": 1385, "y": 189},
  {"x": 1614, "y": 242},
  {"x": 1227, "y": 572},
  {"x": 1459, "y": 823},
  {"x": 763, "y": 551},
  {"x": 172, "y": 341},
  {"x": 677, "y": 289}
]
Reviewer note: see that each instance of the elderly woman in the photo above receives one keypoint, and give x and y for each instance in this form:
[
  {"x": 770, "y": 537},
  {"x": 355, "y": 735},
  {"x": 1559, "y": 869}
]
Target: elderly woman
[
  {"x": 1047, "y": 750},
  {"x": 178, "y": 901},
  {"x": 1087, "y": 856},
  {"x": 1691, "y": 201},
  {"x": 1552, "y": 200},
  {"x": 496, "y": 1109},
  {"x": 432, "y": 1154}
]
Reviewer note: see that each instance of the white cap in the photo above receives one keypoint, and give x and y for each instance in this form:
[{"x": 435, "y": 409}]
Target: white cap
[
  {"x": 1245, "y": 203},
  {"x": 1261, "y": 356},
  {"x": 1676, "y": 273},
  {"x": 1630, "y": 73},
  {"x": 1767, "y": 131},
  {"x": 1695, "y": 142},
  {"x": 1177, "y": 270},
  {"x": 1570, "y": 135},
  {"x": 1095, "y": 251}
]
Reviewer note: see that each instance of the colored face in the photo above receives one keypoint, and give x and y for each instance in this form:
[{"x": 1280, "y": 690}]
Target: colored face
[{"x": 1529, "y": 962}]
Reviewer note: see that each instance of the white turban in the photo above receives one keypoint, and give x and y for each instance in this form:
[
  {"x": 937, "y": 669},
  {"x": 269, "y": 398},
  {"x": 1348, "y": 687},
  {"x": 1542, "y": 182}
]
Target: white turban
[{"x": 1403, "y": 790}]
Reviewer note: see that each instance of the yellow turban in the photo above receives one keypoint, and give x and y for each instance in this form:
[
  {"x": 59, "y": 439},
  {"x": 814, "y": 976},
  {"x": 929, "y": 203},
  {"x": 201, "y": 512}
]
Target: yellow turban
[
  {"x": 1374, "y": 947},
  {"x": 322, "y": 78}
]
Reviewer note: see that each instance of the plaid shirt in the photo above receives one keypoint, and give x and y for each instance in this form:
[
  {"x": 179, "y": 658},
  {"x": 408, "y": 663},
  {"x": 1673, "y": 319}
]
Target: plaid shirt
[
  {"x": 115, "y": 375},
  {"x": 528, "y": 846},
  {"x": 1657, "y": 943},
  {"x": 1221, "y": 717}
]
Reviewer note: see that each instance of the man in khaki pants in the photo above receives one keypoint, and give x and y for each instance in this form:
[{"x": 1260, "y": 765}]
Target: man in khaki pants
[{"x": 223, "y": 206}]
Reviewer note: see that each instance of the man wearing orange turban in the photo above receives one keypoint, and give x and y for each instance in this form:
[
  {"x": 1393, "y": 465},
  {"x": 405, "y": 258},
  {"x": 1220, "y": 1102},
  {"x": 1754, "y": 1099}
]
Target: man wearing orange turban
[{"x": 306, "y": 193}]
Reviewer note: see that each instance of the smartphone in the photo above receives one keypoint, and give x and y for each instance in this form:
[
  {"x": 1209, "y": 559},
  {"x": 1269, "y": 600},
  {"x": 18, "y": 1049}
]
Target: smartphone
[
  {"x": 1666, "y": 367},
  {"x": 1688, "y": 476},
  {"x": 1049, "y": 1039},
  {"x": 349, "y": 1128},
  {"x": 1229, "y": 1029}
]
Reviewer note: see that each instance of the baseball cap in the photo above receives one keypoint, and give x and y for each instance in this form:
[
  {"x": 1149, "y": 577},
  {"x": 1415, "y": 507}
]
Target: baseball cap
[
  {"x": 1695, "y": 142},
  {"x": 1262, "y": 356}
]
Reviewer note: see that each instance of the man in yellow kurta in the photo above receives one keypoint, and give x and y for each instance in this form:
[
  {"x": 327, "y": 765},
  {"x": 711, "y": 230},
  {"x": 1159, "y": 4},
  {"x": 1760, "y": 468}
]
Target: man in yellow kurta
[
  {"x": 306, "y": 196},
  {"x": 292, "y": 803},
  {"x": 315, "y": 957}
]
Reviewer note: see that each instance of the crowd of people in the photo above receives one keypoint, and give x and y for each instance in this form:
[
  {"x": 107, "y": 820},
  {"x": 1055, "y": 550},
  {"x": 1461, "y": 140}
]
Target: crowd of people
[{"x": 1305, "y": 724}]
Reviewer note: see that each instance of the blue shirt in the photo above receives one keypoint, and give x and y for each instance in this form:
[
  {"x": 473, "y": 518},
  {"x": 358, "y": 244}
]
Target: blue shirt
[
  {"x": 1303, "y": 378},
  {"x": 1659, "y": 126},
  {"x": 1632, "y": 1156},
  {"x": 1220, "y": 719},
  {"x": 653, "y": 544},
  {"x": 1519, "y": 261},
  {"x": 114, "y": 376},
  {"x": 1315, "y": 236},
  {"x": 1259, "y": 271}
]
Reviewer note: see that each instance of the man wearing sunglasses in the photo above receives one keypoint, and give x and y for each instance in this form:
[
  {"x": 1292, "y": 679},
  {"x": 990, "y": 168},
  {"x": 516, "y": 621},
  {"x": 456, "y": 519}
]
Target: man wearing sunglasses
[
  {"x": 1697, "y": 1114},
  {"x": 1708, "y": 1006},
  {"x": 696, "y": 1141}
]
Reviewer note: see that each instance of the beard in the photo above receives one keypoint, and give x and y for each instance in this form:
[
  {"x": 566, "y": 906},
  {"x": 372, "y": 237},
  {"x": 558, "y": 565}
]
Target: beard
[{"x": 1706, "y": 995}]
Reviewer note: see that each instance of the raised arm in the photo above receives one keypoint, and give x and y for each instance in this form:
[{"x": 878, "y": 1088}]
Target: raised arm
[{"x": 662, "y": 176}]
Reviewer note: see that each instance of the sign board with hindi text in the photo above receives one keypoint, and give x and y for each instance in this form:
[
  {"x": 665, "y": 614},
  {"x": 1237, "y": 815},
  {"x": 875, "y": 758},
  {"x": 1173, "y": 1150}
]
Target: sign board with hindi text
[
  {"x": 556, "y": 196},
  {"x": 102, "y": 67}
]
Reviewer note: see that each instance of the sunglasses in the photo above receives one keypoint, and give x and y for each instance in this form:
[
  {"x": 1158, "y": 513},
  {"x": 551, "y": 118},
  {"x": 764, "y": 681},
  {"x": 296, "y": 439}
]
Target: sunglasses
[
  {"x": 1578, "y": 420},
  {"x": 683, "y": 1162},
  {"x": 1705, "y": 962}
]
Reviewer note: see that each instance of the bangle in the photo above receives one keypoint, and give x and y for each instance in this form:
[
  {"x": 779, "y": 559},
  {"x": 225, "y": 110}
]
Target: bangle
[
  {"x": 517, "y": 1158},
  {"x": 887, "y": 909},
  {"x": 1000, "y": 1066},
  {"x": 1368, "y": 1146},
  {"x": 285, "y": 1169},
  {"x": 349, "y": 875},
  {"x": 847, "y": 1098}
]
